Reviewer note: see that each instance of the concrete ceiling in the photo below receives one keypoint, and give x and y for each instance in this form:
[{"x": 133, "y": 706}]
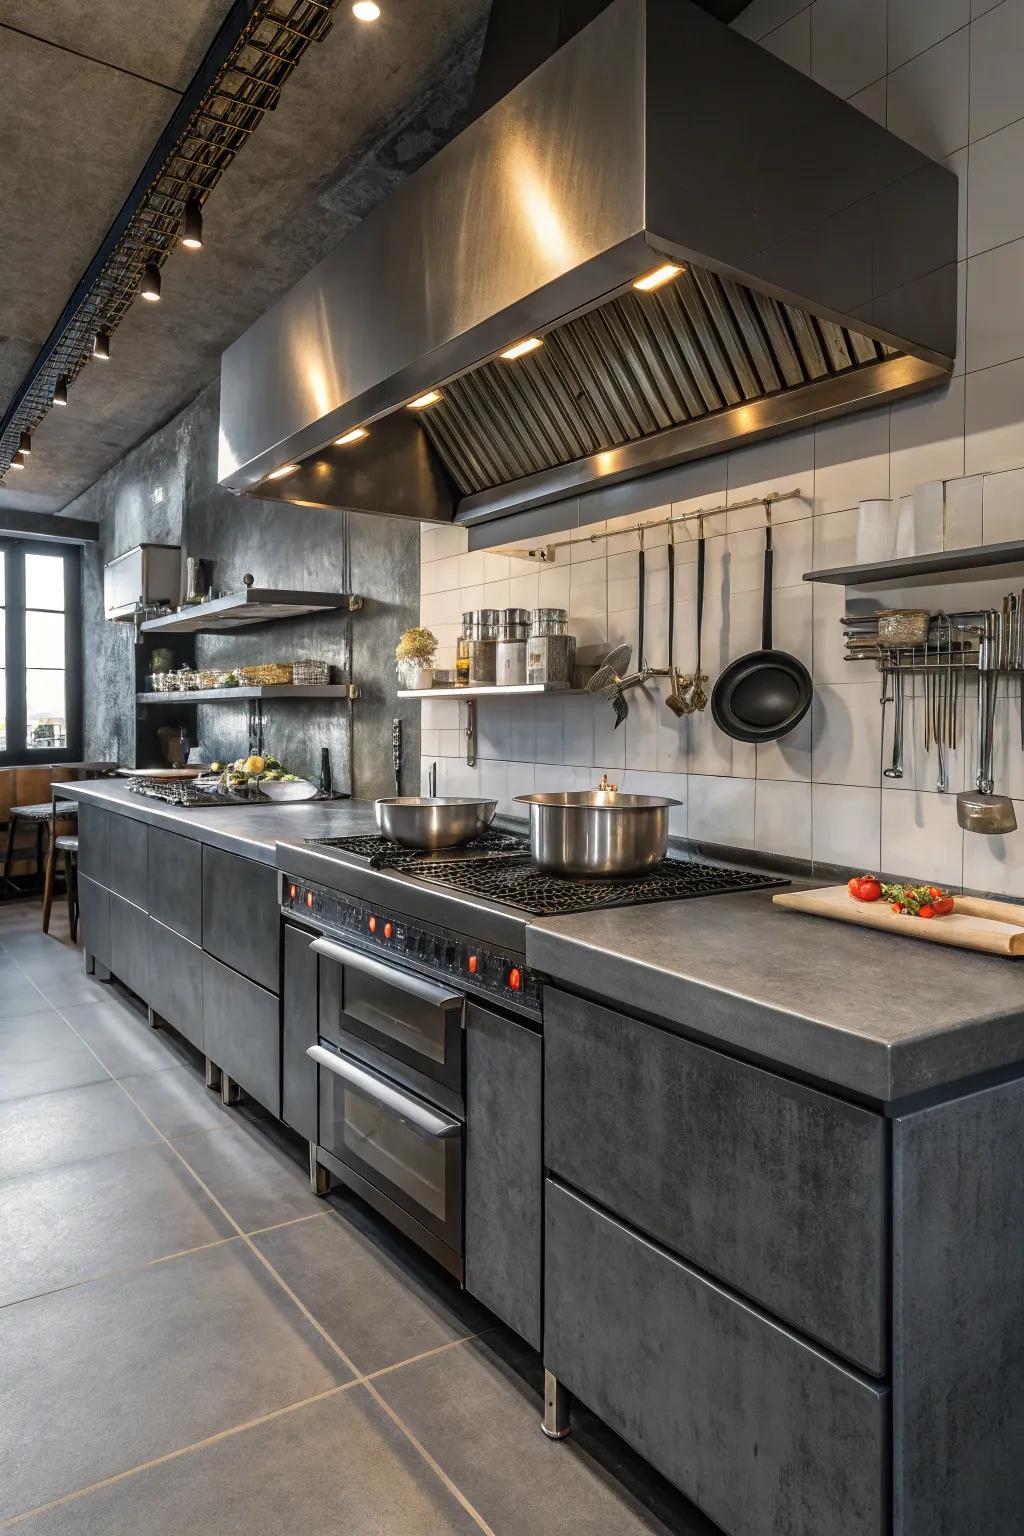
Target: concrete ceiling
[{"x": 87, "y": 89}]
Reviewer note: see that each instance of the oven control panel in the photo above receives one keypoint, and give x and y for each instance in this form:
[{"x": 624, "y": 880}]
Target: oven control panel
[{"x": 472, "y": 966}]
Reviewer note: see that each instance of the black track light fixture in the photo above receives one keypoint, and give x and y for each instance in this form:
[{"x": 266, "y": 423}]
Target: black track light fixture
[
  {"x": 60, "y": 392},
  {"x": 192, "y": 225},
  {"x": 150, "y": 288},
  {"x": 25, "y": 444},
  {"x": 101, "y": 346}
]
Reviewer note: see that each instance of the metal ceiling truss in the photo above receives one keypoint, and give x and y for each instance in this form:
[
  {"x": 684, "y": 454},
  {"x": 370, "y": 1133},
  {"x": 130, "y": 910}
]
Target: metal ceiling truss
[{"x": 240, "y": 79}]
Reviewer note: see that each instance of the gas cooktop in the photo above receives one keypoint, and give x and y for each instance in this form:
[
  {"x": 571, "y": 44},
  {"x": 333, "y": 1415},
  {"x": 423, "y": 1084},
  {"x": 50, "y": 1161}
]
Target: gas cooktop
[{"x": 497, "y": 868}]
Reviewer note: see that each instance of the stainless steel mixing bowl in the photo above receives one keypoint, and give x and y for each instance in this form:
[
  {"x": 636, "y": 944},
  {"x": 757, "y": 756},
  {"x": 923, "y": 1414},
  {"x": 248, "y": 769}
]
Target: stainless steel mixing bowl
[{"x": 423, "y": 821}]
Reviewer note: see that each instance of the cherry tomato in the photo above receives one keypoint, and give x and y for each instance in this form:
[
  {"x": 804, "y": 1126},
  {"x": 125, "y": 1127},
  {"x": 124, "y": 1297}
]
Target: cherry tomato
[
  {"x": 897, "y": 906},
  {"x": 944, "y": 906},
  {"x": 869, "y": 889},
  {"x": 936, "y": 891},
  {"x": 853, "y": 886},
  {"x": 926, "y": 911}
]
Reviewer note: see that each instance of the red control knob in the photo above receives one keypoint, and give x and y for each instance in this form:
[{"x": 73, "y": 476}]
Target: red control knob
[
  {"x": 293, "y": 891},
  {"x": 371, "y": 923},
  {"x": 515, "y": 979},
  {"x": 388, "y": 930},
  {"x": 309, "y": 900},
  {"x": 473, "y": 964}
]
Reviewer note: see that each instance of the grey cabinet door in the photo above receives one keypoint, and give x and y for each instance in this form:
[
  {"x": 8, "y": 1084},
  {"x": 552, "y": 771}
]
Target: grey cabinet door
[
  {"x": 129, "y": 860},
  {"x": 761, "y": 1429},
  {"x": 958, "y": 1324},
  {"x": 241, "y": 915},
  {"x": 94, "y": 906},
  {"x": 778, "y": 1190},
  {"x": 176, "y": 981},
  {"x": 94, "y": 843},
  {"x": 504, "y": 1169},
  {"x": 129, "y": 945},
  {"x": 298, "y": 1032},
  {"x": 241, "y": 1032},
  {"x": 176, "y": 883}
]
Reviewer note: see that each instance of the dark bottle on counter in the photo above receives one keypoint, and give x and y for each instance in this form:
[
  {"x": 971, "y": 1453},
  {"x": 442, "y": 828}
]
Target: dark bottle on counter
[{"x": 326, "y": 777}]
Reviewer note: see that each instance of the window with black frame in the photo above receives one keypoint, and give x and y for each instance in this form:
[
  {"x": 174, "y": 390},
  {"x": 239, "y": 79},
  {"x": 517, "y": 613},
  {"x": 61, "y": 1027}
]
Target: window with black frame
[{"x": 40, "y": 652}]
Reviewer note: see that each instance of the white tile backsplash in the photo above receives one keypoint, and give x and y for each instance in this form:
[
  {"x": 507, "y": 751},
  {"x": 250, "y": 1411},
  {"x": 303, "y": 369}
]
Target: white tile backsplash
[{"x": 949, "y": 76}]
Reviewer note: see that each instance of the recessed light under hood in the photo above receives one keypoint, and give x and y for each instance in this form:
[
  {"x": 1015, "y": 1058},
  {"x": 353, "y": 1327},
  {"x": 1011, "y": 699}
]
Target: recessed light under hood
[{"x": 817, "y": 275}]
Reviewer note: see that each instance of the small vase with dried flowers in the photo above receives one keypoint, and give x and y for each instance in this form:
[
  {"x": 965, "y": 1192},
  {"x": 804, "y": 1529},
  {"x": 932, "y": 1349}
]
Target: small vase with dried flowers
[{"x": 414, "y": 655}]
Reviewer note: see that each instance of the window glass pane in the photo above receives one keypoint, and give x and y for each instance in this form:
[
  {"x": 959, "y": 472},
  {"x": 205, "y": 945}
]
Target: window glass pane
[
  {"x": 44, "y": 581},
  {"x": 3, "y": 708},
  {"x": 46, "y": 716},
  {"x": 3, "y": 586},
  {"x": 44, "y": 639}
]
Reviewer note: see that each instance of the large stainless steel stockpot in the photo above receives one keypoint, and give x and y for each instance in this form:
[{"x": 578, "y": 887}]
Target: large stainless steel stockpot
[
  {"x": 597, "y": 832},
  {"x": 423, "y": 821}
]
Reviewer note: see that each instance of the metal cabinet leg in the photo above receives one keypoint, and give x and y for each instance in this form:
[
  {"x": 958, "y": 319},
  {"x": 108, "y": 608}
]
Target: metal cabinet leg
[
  {"x": 90, "y": 964},
  {"x": 555, "y": 1423},
  {"x": 212, "y": 1074},
  {"x": 230, "y": 1092},
  {"x": 319, "y": 1176},
  {"x": 153, "y": 1018}
]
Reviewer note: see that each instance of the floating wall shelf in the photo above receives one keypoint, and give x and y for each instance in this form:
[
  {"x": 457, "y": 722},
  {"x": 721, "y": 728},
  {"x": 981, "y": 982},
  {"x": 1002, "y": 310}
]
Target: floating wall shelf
[
  {"x": 254, "y": 605},
  {"x": 924, "y": 570},
  {"x": 264, "y": 691},
  {"x": 489, "y": 692}
]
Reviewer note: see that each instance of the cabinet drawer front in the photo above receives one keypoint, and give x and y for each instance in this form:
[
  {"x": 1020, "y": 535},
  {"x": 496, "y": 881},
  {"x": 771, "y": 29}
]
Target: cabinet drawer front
[
  {"x": 176, "y": 981},
  {"x": 129, "y": 860},
  {"x": 504, "y": 1178},
  {"x": 94, "y": 843},
  {"x": 299, "y": 1032},
  {"x": 776, "y": 1189},
  {"x": 94, "y": 904},
  {"x": 763, "y": 1431},
  {"x": 241, "y": 915},
  {"x": 176, "y": 883},
  {"x": 129, "y": 945},
  {"x": 241, "y": 1032}
]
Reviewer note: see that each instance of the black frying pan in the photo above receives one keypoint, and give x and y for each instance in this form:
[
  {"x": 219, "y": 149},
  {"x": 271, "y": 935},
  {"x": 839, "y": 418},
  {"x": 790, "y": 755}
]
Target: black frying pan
[{"x": 764, "y": 694}]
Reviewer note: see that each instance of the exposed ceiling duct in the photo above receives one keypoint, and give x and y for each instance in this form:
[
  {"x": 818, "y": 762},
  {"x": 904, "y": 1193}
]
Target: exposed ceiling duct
[{"x": 815, "y": 273}]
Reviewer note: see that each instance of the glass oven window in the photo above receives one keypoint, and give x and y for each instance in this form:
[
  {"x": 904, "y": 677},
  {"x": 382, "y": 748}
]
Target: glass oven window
[
  {"x": 414, "y": 1165},
  {"x": 423, "y": 1032}
]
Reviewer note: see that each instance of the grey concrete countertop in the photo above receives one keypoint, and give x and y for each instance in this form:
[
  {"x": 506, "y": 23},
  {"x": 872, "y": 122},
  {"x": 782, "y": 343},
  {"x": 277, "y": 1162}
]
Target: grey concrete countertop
[
  {"x": 879, "y": 1016},
  {"x": 250, "y": 830}
]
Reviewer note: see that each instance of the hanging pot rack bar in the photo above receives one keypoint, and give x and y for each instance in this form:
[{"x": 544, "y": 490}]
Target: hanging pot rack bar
[{"x": 545, "y": 553}]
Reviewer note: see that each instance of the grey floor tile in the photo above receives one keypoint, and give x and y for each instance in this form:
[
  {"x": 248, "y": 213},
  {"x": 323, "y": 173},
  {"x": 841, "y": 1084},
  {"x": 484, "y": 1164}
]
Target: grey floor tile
[
  {"x": 22, "y": 1079},
  {"x": 117, "y": 1029},
  {"x": 71, "y": 1224},
  {"x": 69, "y": 986},
  {"x": 103, "y": 1377},
  {"x": 375, "y": 1300},
  {"x": 18, "y": 995},
  {"x": 256, "y": 1174},
  {"x": 476, "y": 1415},
  {"x": 337, "y": 1466},
  {"x": 178, "y": 1101},
  {"x": 35, "y": 1037},
  {"x": 65, "y": 1127}
]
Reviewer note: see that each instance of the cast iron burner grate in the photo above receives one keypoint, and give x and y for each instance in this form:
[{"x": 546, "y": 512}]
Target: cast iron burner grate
[
  {"x": 382, "y": 853},
  {"x": 519, "y": 883}
]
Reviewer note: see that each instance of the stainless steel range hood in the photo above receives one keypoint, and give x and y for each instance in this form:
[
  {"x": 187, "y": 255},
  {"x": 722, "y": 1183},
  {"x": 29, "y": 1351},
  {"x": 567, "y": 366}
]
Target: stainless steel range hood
[{"x": 818, "y": 276}]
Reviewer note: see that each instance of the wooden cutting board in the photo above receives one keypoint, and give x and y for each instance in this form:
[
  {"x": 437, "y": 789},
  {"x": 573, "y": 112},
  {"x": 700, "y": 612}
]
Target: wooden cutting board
[{"x": 994, "y": 927}]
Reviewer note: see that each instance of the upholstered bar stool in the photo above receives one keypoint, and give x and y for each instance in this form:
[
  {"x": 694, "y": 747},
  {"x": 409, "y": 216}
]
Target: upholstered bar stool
[
  {"x": 62, "y": 823},
  {"x": 65, "y": 846}
]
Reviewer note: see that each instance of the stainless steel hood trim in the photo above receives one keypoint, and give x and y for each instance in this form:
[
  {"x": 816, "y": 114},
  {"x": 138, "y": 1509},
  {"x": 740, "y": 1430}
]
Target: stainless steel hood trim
[{"x": 624, "y": 147}]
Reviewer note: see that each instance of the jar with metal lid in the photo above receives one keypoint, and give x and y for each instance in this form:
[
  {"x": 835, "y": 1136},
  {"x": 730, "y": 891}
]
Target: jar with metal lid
[
  {"x": 513, "y": 635},
  {"x": 551, "y": 660},
  {"x": 549, "y": 621},
  {"x": 480, "y": 624}
]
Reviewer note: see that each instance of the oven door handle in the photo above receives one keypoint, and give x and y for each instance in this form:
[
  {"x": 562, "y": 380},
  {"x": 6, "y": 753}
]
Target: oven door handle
[
  {"x": 426, "y": 991},
  {"x": 437, "y": 1126}
]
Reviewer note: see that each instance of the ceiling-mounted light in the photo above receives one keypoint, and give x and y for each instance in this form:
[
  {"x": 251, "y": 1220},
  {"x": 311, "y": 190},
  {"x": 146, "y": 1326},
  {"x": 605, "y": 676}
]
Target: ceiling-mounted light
[
  {"x": 150, "y": 287},
  {"x": 366, "y": 10},
  {"x": 658, "y": 277},
  {"x": 18, "y": 462},
  {"x": 285, "y": 469},
  {"x": 521, "y": 348},
  {"x": 355, "y": 436},
  {"x": 25, "y": 444},
  {"x": 101, "y": 346},
  {"x": 431, "y": 397},
  {"x": 192, "y": 225},
  {"x": 60, "y": 393}
]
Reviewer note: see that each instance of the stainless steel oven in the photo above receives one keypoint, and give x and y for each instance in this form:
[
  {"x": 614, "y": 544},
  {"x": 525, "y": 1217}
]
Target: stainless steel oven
[{"x": 390, "y": 1058}]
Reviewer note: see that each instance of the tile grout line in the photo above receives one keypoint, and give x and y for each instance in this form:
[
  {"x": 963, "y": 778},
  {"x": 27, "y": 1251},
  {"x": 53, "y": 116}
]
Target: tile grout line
[{"x": 358, "y": 1377}]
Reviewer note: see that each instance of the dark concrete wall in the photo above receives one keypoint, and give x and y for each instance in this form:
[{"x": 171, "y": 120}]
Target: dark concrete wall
[{"x": 166, "y": 492}]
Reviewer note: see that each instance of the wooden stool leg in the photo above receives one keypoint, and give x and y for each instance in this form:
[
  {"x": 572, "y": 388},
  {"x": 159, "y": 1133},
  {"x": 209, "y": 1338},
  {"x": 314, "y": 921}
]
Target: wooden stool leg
[
  {"x": 12, "y": 832},
  {"x": 71, "y": 884},
  {"x": 51, "y": 870},
  {"x": 40, "y": 834}
]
